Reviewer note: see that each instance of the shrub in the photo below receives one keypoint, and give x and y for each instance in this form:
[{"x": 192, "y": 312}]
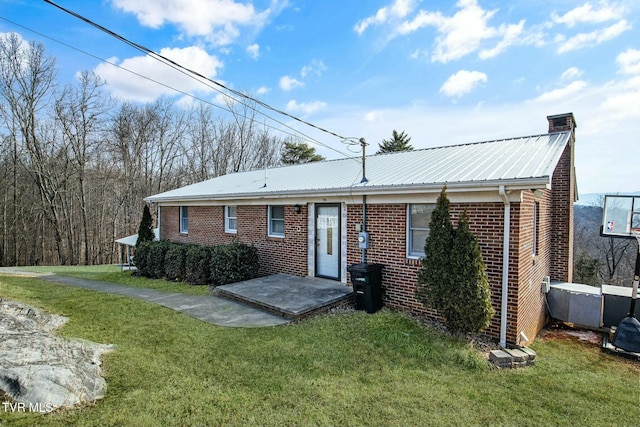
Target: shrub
[
  {"x": 452, "y": 279},
  {"x": 155, "y": 258},
  {"x": 174, "y": 262},
  {"x": 140, "y": 258},
  {"x": 435, "y": 281},
  {"x": 233, "y": 263},
  {"x": 470, "y": 308},
  {"x": 145, "y": 230},
  {"x": 197, "y": 265}
]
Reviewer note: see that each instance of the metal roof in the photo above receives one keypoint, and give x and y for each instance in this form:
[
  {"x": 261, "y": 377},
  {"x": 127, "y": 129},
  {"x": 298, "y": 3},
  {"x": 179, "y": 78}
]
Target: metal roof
[{"x": 529, "y": 160}]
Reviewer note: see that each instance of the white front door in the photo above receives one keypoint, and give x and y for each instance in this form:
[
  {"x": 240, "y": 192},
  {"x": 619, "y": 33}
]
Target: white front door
[{"x": 328, "y": 241}]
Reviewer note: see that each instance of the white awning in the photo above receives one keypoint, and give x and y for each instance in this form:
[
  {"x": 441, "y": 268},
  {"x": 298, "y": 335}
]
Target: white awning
[{"x": 131, "y": 240}]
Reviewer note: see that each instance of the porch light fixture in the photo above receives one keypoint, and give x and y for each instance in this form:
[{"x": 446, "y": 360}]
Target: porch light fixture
[{"x": 297, "y": 208}]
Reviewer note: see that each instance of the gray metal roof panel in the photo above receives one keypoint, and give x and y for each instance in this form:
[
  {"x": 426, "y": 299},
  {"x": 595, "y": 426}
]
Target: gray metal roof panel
[{"x": 474, "y": 164}]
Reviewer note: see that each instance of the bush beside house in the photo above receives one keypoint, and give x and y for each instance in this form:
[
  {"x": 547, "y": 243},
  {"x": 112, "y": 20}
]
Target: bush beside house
[
  {"x": 453, "y": 279},
  {"x": 197, "y": 264}
]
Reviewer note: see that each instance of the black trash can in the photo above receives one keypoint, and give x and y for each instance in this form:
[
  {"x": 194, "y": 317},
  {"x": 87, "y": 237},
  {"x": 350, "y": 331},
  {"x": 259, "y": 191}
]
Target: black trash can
[{"x": 367, "y": 286}]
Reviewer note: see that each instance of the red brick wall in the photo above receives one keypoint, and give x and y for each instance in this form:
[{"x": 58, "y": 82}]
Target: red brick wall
[
  {"x": 563, "y": 187},
  {"x": 531, "y": 271},
  {"x": 386, "y": 225},
  {"x": 277, "y": 255},
  {"x": 563, "y": 195}
]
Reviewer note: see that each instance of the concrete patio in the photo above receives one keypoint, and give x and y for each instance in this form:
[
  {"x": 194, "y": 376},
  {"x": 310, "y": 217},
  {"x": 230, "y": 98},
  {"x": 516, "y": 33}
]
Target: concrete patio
[{"x": 289, "y": 296}]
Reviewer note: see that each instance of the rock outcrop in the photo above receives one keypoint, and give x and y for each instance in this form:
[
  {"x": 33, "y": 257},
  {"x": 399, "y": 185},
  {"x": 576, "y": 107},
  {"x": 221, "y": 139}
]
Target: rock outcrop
[{"x": 42, "y": 370}]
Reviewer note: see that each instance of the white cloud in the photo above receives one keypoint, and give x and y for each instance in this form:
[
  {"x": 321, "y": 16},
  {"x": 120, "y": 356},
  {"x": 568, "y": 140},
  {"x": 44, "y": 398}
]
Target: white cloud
[
  {"x": 288, "y": 83},
  {"x": 316, "y": 67},
  {"x": 373, "y": 116},
  {"x": 254, "y": 50},
  {"x": 216, "y": 20},
  {"x": 587, "y": 14},
  {"x": 624, "y": 103},
  {"x": 462, "y": 83},
  {"x": 466, "y": 31},
  {"x": 593, "y": 38},
  {"x": 629, "y": 61},
  {"x": 305, "y": 108},
  {"x": 510, "y": 35},
  {"x": 419, "y": 53},
  {"x": 398, "y": 10},
  {"x": 128, "y": 86},
  {"x": 562, "y": 93},
  {"x": 571, "y": 73},
  {"x": 263, "y": 90}
]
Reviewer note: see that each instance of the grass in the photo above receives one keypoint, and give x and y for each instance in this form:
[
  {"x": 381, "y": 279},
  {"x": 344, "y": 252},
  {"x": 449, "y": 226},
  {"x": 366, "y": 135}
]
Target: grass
[
  {"x": 342, "y": 369},
  {"x": 113, "y": 274}
]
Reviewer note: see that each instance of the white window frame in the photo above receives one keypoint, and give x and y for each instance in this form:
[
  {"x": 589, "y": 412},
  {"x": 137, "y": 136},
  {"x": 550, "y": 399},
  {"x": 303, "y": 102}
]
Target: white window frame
[
  {"x": 228, "y": 218},
  {"x": 410, "y": 254},
  {"x": 271, "y": 233},
  {"x": 184, "y": 219}
]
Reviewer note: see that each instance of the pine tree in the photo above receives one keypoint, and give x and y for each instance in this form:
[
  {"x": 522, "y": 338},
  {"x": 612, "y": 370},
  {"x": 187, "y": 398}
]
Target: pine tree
[
  {"x": 453, "y": 279},
  {"x": 470, "y": 307},
  {"x": 398, "y": 142},
  {"x": 296, "y": 153},
  {"x": 435, "y": 277},
  {"x": 145, "y": 231}
]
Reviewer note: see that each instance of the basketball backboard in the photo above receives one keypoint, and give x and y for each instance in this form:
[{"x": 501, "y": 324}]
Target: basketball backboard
[{"x": 621, "y": 216}]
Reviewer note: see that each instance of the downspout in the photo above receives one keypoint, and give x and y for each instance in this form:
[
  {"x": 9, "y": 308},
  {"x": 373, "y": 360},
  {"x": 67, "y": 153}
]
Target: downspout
[
  {"x": 158, "y": 224},
  {"x": 505, "y": 266}
]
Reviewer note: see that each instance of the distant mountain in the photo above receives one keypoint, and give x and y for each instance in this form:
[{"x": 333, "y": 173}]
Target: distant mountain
[{"x": 592, "y": 199}]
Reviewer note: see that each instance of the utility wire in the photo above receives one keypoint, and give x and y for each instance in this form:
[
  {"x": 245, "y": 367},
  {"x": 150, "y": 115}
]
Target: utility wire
[
  {"x": 167, "y": 61},
  {"x": 294, "y": 132}
]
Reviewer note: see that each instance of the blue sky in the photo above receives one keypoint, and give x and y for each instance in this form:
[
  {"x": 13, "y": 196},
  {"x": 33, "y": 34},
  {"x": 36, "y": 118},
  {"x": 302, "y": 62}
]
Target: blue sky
[{"x": 444, "y": 72}]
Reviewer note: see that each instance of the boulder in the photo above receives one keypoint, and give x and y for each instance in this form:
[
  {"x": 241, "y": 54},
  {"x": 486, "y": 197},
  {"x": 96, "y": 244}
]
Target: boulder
[{"x": 42, "y": 370}]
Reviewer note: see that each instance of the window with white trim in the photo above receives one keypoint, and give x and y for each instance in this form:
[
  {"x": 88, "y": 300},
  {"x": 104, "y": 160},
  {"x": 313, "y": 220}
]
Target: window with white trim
[
  {"x": 184, "y": 219},
  {"x": 418, "y": 219},
  {"x": 231, "y": 219},
  {"x": 276, "y": 221}
]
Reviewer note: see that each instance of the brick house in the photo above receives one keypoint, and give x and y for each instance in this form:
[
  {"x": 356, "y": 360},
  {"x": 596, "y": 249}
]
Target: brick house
[{"x": 305, "y": 219}]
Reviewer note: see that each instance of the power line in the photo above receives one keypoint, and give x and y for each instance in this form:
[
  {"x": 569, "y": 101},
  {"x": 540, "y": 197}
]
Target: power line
[
  {"x": 294, "y": 132},
  {"x": 183, "y": 69}
]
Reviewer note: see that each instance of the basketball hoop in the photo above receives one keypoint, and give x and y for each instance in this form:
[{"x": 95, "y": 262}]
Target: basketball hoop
[{"x": 621, "y": 218}]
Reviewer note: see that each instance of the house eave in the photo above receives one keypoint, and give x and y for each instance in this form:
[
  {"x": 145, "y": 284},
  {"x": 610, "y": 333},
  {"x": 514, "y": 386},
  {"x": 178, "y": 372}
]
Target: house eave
[{"x": 364, "y": 189}]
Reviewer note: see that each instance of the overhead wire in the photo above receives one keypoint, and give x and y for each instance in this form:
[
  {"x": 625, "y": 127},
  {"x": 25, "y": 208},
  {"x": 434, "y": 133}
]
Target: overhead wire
[
  {"x": 293, "y": 132},
  {"x": 349, "y": 141}
]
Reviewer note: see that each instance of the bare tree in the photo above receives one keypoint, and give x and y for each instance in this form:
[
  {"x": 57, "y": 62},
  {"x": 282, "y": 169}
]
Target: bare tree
[
  {"x": 79, "y": 113},
  {"x": 27, "y": 83}
]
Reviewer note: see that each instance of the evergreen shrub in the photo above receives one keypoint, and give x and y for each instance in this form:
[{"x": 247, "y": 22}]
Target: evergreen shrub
[
  {"x": 197, "y": 265},
  {"x": 155, "y": 258},
  {"x": 233, "y": 263},
  {"x": 175, "y": 261}
]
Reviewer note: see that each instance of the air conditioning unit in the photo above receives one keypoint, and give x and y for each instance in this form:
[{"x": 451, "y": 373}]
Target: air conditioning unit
[{"x": 546, "y": 284}]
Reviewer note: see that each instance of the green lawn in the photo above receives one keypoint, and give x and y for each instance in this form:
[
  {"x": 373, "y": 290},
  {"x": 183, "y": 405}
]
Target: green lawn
[
  {"x": 341, "y": 369},
  {"x": 113, "y": 274}
]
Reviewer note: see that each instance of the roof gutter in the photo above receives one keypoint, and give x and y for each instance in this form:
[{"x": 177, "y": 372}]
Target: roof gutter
[
  {"x": 357, "y": 190},
  {"x": 505, "y": 266}
]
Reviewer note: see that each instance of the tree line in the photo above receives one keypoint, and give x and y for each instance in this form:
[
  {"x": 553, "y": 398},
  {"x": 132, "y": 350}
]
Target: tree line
[{"x": 75, "y": 164}]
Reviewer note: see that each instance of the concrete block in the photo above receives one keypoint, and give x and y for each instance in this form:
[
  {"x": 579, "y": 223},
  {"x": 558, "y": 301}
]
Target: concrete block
[
  {"x": 500, "y": 358},
  {"x": 530, "y": 353},
  {"x": 517, "y": 355}
]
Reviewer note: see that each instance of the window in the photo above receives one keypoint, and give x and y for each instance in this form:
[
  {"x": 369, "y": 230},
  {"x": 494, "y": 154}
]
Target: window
[
  {"x": 536, "y": 209},
  {"x": 419, "y": 216},
  {"x": 231, "y": 219},
  {"x": 276, "y": 221},
  {"x": 184, "y": 219}
]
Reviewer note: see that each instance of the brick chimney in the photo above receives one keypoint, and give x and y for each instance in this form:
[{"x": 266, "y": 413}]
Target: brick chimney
[
  {"x": 562, "y": 122},
  {"x": 563, "y": 195}
]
